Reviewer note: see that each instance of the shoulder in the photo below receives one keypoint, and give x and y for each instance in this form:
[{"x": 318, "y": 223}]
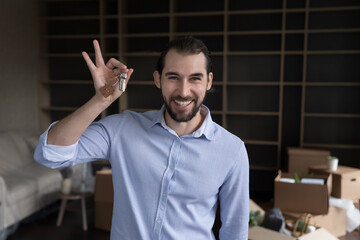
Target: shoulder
[
  {"x": 129, "y": 118},
  {"x": 229, "y": 144},
  {"x": 224, "y": 136}
]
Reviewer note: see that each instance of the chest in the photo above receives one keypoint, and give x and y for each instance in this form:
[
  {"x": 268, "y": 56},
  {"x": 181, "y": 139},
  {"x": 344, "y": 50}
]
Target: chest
[{"x": 190, "y": 168}]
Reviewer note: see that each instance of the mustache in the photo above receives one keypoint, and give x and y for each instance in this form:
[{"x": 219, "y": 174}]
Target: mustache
[{"x": 178, "y": 98}]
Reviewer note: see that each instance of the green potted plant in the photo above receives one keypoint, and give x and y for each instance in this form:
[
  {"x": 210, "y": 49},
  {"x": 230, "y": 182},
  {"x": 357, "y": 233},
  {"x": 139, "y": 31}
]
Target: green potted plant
[{"x": 254, "y": 218}]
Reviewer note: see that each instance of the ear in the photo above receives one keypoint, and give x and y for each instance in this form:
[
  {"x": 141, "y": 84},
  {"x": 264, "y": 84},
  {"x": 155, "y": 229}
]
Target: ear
[
  {"x": 156, "y": 76},
  {"x": 209, "y": 83}
]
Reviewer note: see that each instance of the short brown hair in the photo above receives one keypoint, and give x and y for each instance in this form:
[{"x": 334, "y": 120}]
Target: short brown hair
[{"x": 188, "y": 45}]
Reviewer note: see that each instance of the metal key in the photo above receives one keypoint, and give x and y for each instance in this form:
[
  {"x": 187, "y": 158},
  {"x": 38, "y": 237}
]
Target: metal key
[{"x": 122, "y": 77}]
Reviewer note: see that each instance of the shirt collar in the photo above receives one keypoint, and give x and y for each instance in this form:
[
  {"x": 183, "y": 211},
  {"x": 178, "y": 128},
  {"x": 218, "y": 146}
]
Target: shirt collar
[{"x": 206, "y": 129}]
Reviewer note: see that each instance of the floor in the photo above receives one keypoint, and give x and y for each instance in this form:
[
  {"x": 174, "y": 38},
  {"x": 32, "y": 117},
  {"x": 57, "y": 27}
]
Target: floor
[{"x": 42, "y": 226}]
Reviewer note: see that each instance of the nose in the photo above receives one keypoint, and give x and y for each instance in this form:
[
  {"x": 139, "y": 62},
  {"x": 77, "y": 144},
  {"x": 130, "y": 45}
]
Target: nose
[{"x": 184, "y": 88}]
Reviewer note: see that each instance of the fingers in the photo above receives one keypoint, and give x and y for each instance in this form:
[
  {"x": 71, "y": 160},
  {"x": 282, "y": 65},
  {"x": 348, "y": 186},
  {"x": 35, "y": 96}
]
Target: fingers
[
  {"x": 99, "y": 61},
  {"x": 101, "y": 72},
  {"x": 88, "y": 61},
  {"x": 129, "y": 73},
  {"x": 114, "y": 63},
  {"x": 98, "y": 56}
]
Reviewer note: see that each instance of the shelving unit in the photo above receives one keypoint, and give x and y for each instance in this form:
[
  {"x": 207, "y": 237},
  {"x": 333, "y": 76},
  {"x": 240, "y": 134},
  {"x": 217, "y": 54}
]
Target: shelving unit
[{"x": 286, "y": 72}]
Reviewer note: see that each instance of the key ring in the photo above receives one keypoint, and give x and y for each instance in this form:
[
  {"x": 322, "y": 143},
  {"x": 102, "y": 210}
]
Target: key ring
[{"x": 108, "y": 88}]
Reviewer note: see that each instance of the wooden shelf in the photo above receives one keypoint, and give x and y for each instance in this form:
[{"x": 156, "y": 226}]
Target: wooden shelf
[
  {"x": 70, "y": 18},
  {"x": 141, "y": 83},
  {"x": 253, "y": 83},
  {"x": 69, "y": 82},
  {"x": 275, "y": 65},
  {"x": 199, "y": 34},
  {"x": 260, "y": 142},
  {"x": 64, "y": 109},
  {"x": 141, "y": 54},
  {"x": 142, "y": 35},
  {"x": 330, "y": 146},
  {"x": 73, "y": 36},
  {"x": 145, "y": 15},
  {"x": 333, "y": 84},
  {"x": 334, "y": 9},
  {"x": 332, "y": 115},
  {"x": 333, "y": 52},
  {"x": 262, "y": 168},
  {"x": 252, "y": 113},
  {"x": 63, "y": 55}
]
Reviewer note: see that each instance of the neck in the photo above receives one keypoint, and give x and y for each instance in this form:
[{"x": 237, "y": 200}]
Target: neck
[{"x": 184, "y": 128}]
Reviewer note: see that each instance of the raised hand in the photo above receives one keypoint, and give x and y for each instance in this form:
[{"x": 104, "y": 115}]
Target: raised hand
[{"x": 105, "y": 76}]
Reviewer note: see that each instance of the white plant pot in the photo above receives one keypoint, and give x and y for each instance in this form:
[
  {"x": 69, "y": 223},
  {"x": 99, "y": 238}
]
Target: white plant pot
[{"x": 333, "y": 164}]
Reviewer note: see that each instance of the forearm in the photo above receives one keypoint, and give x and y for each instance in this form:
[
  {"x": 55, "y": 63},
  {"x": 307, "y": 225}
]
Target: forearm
[{"x": 69, "y": 130}]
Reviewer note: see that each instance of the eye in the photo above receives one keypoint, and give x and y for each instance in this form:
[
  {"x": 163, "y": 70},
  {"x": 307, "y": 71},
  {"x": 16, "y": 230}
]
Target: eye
[
  {"x": 173, "y": 77},
  {"x": 195, "y": 79}
]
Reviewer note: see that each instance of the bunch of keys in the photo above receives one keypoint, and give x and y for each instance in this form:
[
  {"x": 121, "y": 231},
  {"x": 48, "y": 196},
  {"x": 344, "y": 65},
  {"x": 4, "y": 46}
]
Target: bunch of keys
[{"x": 108, "y": 89}]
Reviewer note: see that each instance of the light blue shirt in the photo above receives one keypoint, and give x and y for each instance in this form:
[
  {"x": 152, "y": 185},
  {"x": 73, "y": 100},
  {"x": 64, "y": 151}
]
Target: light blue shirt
[{"x": 165, "y": 186}]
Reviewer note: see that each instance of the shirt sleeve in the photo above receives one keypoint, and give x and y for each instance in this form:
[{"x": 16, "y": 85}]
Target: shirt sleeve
[
  {"x": 92, "y": 145},
  {"x": 234, "y": 200}
]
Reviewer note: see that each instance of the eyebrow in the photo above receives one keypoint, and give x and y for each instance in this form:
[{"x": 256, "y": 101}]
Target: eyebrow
[
  {"x": 177, "y": 74},
  {"x": 171, "y": 73}
]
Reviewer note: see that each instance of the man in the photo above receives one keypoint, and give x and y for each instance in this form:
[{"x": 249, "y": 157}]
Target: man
[{"x": 171, "y": 168}]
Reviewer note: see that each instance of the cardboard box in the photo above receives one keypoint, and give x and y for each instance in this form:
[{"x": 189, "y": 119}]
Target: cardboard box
[
  {"x": 345, "y": 181},
  {"x": 334, "y": 222},
  {"x": 319, "y": 169},
  {"x": 104, "y": 197},
  {"x": 260, "y": 233},
  {"x": 300, "y": 159},
  {"x": 302, "y": 197},
  {"x": 255, "y": 207}
]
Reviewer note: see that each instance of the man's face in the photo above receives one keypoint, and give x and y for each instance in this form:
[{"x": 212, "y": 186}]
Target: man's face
[{"x": 183, "y": 82}]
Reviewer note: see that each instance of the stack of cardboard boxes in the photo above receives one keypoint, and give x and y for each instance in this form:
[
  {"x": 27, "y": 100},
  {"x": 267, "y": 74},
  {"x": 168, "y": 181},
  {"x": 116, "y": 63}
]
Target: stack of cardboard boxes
[
  {"x": 302, "y": 197},
  {"x": 296, "y": 199}
]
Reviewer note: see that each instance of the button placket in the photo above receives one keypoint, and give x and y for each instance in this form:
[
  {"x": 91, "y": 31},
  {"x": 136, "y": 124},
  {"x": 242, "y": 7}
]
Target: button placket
[{"x": 173, "y": 158}]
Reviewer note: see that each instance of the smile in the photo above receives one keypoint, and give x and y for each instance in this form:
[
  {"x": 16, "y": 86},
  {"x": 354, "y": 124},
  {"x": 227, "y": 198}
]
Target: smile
[{"x": 182, "y": 103}]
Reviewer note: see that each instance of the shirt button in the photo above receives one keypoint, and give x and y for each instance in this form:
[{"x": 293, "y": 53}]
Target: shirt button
[
  {"x": 164, "y": 194},
  {"x": 158, "y": 221},
  {"x": 172, "y": 167}
]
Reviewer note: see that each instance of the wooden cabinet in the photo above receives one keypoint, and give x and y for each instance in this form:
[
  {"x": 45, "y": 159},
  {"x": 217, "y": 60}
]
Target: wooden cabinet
[{"x": 286, "y": 73}]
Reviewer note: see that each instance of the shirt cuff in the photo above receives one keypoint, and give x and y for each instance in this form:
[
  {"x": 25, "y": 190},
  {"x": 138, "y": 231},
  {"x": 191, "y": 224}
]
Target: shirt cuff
[{"x": 55, "y": 153}]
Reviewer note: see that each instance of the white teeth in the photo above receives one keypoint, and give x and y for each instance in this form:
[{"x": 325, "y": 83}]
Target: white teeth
[{"x": 183, "y": 103}]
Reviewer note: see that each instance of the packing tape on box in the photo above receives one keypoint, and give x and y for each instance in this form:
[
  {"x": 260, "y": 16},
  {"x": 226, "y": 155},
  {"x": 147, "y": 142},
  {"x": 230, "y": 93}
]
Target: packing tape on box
[
  {"x": 313, "y": 181},
  {"x": 288, "y": 180}
]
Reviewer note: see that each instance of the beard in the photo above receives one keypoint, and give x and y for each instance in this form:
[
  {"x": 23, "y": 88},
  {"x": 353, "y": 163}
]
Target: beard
[{"x": 182, "y": 117}]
